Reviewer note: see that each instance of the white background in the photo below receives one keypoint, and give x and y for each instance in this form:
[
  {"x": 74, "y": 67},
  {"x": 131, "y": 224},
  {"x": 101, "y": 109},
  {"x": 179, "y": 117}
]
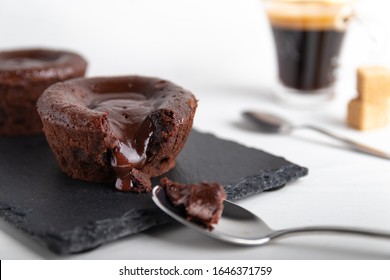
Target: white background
[{"x": 222, "y": 50}]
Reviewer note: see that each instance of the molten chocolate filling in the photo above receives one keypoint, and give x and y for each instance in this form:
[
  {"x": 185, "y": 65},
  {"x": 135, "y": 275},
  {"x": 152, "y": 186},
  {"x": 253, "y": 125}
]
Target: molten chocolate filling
[{"x": 128, "y": 115}]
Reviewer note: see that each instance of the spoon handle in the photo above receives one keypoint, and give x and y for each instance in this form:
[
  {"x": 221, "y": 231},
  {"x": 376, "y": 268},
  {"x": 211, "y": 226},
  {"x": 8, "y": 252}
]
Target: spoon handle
[
  {"x": 329, "y": 229},
  {"x": 352, "y": 144}
]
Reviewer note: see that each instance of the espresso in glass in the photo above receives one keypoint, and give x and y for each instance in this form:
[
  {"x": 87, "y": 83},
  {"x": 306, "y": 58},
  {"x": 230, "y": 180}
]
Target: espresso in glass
[{"x": 308, "y": 38}]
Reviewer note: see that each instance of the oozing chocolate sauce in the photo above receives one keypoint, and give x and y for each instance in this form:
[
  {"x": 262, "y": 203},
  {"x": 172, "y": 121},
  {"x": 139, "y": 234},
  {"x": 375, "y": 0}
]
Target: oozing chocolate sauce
[{"x": 128, "y": 115}]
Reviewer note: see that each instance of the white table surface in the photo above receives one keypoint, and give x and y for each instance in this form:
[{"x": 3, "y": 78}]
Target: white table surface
[{"x": 222, "y": 50}]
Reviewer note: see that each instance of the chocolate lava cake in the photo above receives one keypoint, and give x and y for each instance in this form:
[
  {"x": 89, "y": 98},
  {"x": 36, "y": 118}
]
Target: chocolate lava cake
[
  {"x": 24, "y": 75},
  {"x": 202, "y": 202},
  {"x": 117, "y": 129}
]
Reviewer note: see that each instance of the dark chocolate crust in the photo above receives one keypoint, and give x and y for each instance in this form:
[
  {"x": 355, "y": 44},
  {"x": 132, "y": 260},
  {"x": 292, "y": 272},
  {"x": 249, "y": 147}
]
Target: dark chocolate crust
[
  {"x": 24, "y": 75},
  {"x": 85, "y": 139},
  {"x": 203, "y": 202}
]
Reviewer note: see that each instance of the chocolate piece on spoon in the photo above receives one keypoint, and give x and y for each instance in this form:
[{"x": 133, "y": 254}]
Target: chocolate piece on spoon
[{"x": 202, "y": 202}]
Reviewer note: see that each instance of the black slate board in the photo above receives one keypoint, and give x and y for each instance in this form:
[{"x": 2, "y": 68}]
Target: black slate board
[{"x": 71, "y": 216}]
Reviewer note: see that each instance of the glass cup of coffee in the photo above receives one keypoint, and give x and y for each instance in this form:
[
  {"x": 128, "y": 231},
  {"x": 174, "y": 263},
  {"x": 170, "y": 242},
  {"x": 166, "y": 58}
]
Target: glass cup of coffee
[{"x": 308, "y": 38}]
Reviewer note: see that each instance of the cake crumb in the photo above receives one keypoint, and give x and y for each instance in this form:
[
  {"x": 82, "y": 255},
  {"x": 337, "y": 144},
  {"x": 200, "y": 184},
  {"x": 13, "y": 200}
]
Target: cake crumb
[{"x": 202, "y": 202}]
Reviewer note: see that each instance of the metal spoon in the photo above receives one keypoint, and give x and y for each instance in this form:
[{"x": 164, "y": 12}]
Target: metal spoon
[
  {"x": 239, "y": 226},
  {"x": 273, "y": 124}
]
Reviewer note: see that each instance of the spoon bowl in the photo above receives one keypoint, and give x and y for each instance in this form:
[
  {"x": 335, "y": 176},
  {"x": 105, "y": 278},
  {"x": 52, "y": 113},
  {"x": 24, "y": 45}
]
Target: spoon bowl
[
  {"x": 239, "y": 226},
  {"x": 236, "y": 225},
  {"x": 268, "y": 122}
]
